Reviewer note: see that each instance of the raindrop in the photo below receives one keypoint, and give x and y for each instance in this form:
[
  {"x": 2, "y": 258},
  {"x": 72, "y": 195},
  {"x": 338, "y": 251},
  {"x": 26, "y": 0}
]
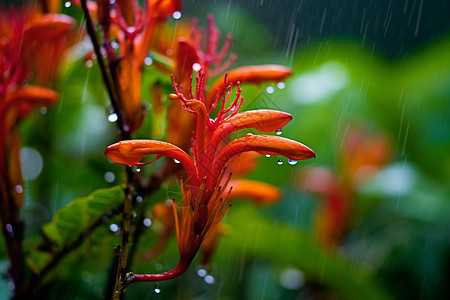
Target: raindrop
[
  {"x": 10, "y": 230},
  {"x": 114, "y": 228},
  {"x": 209, "y": 279},
  {"x": 11, "y": 285},
  {"x": 68, "y": 4},
  {"x": 147, "y": 222},
  {"x": 292, "y": 279},
  {"x": 115, "y": 45},
  {"x": 113, "y": 117},
  {"x": 134, "y": 214},
  {"x": 176, "y": 161},
  {"x": 138, "y": 170},
  {"x": 31, "y": 163},
  {"x": 43, "y": 110},
  {"x": 267, "y": 155},
  {"x": 148, "y": 61},
  {"x": 89, "y": 63},
  {"x": 281, "y": 85},
  {"x": 112, "y": 1},
  {"x": 292, "y": 162},
  {"x": 278, "y": 132},
  {"x": 196, "y": 67},
  {"x": 201, "y": 272},
  {"x": 157, "y": 289},
  {"x": 109, "y": 177},
  {"x": 176, "y": 15},
  {"x": 19, "y": 189},
  {"x": 270, "y": 89},
  {"x": 139, "y": 199},
  {"x": 280, "y": 162}
]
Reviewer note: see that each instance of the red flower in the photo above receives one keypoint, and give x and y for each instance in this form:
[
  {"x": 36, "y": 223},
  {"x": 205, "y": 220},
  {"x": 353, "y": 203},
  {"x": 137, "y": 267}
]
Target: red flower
[
  {"x": 205, "y": 188},
  {"x": 31, "y": 46}
]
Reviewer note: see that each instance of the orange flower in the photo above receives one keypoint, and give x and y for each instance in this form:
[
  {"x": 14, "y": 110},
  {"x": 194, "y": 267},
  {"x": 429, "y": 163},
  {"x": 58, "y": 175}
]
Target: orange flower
[
  {"x": 206, "y": 192},
  {"x": 133, "y": 29},
  {"x": 192, "y": 56},
  {"x": 361, "y": 157},
  {"x": 31, "y": 44}
]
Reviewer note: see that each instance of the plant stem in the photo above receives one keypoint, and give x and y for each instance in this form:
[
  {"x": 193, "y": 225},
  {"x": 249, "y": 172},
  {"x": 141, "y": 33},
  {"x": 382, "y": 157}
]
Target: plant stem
[
  {"x": 12, "y": 229},
  {"x": 107, "y": 75}
]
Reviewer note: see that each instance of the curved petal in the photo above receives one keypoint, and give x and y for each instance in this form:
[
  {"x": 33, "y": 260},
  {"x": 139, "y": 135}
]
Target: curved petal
[
  {"x": 25, "y": 98},
  {"x": 130, "y": 152},
  {"x": 264, "y": 120},
  {"x": 266, "y": 144},
  {"x": 250, "y": 74},
  {"x": 256, "y": 191}
]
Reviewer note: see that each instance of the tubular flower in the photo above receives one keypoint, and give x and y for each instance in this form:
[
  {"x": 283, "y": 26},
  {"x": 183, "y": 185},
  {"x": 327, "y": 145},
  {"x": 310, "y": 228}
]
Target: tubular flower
[
  {"x": 31, "y": 45},
  {"x": 132, "y": 29},
  {"x": 362, "y": 156},
  {"x": 191, "y": 56},
  {"x": 205, "y": 188}
]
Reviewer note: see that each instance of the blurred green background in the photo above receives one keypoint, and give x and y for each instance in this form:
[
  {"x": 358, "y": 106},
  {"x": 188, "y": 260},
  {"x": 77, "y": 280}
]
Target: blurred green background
[{"x": 382, "y": 69}]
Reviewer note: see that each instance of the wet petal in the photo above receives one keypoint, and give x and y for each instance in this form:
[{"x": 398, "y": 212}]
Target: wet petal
[
  {"x": 26, "y": 98},
  {"x": 248, "y": 74},
  {"x": 255, "y": 191},
  {"x": 265, "y": 144},
  {"x": 263, "y": 120},
  {"x": 131, "y": 152}
]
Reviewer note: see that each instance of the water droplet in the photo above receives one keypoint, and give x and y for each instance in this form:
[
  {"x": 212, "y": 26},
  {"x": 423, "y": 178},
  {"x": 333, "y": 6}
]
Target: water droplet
[
  {"x": 138, "y": 170},
  {"x": 68, "y": 4},
  {"x": 10, "y": 230},
  {"x": 114, "y": 228},
  {"x": 176, "y": 161},
  {"x": 292, "y": 279},
  {"x": 278, "y": 132},
  {"x": 11, "y": 285},
  {"x": 270, "y": 89},
  {"x": 112, "y": 1},
  {"x": 281, "y": 85},
  {"x": 43, "y": 110},
  {"x": 115, "y": 45},
  {"x": 267, "y": 155},
  {"x": 157, "y": 289},
  {"x": 159, "y": 267},
  {"x": 113, "y": 117},
  {"x": 110, "y": 177},
  {"x": 201, "y": 272},
  {"x": 31, "y": 163},
  {"x": 209, "y": 279},
  {"x": 134, "y": 214},
  {"x": 89, "y": 63},
  {"x": 19, "y": 189},
  {"x": 147, "y": 222},
  {"x": 176, "y": 15},
  {"x": 280, "y": 162},
  {"x": 292, "y": 162},
  {"x": 148, "y": 61},
  {"x": 196, "y": 67},
  {"x": 139, "y": 199}
]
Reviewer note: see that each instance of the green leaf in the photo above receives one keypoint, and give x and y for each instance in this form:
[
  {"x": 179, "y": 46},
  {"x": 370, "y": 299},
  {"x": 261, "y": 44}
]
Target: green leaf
[
  {"x": 282, "y": 244},
  {"x": 73, "y": 220}
]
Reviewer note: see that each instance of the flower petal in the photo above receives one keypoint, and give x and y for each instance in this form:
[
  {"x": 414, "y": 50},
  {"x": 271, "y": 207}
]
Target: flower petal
[
  {"x": 130, "y": 152},
  {"x": 256, "y": 191},
  {"x": 265, "y": 144},
  {"x": 264, "y": 120},
  {"x": 26, "y": 98},
  {"x": 250, "y": 74}
]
